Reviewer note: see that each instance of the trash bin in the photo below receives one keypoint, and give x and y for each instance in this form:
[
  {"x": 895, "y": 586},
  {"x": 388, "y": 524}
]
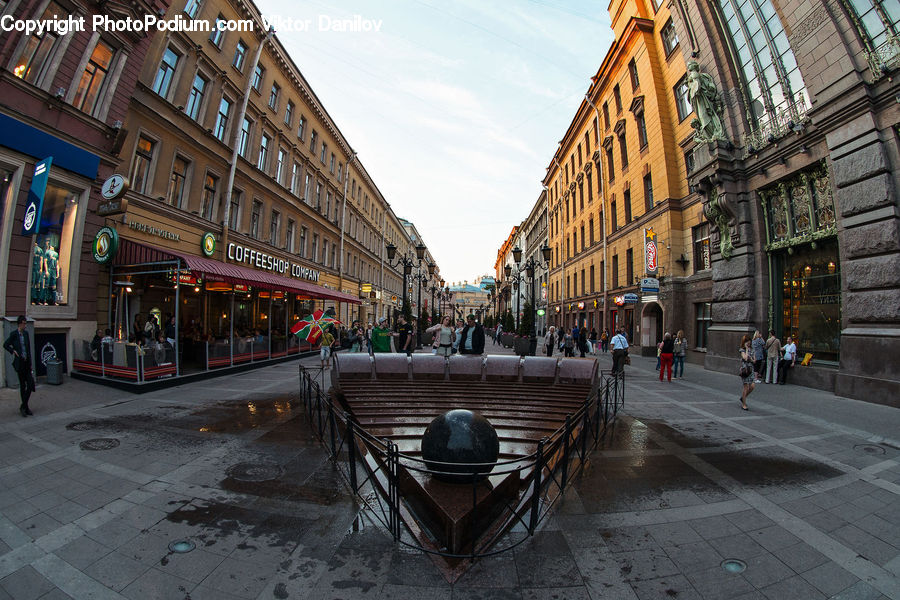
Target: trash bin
[{"x": 54, "y": 372}]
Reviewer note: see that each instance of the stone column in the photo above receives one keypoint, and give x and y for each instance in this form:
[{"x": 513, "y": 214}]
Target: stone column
[{"x": 869, "y": 242}]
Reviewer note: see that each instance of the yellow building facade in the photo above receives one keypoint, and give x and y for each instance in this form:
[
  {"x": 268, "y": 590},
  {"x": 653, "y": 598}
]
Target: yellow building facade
[{"x": 618, "y": 178}]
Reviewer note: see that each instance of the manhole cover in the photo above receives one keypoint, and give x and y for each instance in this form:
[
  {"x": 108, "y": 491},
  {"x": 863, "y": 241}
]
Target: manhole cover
[
  {"x": 99, "y": 444},
  {"x": 79, "y": 426},
  {"x": 733, "y": 565},
  {"x": 255, "y": 471},
  {"x": 869, "y": 448},
  {"x": 182, "y": 546}
]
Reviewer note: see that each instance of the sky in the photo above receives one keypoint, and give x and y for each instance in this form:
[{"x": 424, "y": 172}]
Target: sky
[{"x": 455, "y": 107}]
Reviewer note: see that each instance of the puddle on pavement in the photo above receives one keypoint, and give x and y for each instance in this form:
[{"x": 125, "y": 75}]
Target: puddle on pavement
[
  {"x": 696, "y": 435},
  {"x": 304, "y": 478},
  {"x": 218, "y": 521}
]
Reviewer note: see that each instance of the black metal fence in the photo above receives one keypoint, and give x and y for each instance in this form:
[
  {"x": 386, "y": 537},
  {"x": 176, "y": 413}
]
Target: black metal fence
[{"x": 371, "y": 463}]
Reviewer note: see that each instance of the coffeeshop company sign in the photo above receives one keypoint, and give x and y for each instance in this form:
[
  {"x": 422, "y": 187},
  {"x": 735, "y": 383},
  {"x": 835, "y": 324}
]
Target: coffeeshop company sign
[
  {"x": 267, "y": 262},
  {"x": 105, "y": 245}
]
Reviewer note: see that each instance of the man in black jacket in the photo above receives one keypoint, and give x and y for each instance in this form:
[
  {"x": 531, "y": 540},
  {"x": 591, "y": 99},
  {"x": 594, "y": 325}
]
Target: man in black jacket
[
  {"x": 471, "y": 340},
  {"x": 19, "y": 345}
]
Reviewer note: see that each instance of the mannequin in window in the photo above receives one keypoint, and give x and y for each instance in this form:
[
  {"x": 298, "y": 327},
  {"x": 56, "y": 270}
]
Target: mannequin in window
[
  {"x": 51, "y": 262},
  {"x": 37, "y": 275}
]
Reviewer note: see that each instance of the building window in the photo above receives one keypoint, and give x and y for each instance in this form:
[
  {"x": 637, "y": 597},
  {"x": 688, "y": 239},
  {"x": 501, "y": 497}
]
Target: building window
[
  {"x": 218, "y": 32},
  {"x": 617, "y": 96},
  {"x": 195, "y": 97},
  {"x": 289, "y": 236},
  {"x": 773, "y": 79},
  {"x": 322, "y": 152},
  {"x": 702, "y": 259},
  {"x": 682, "y": 103},
  {"x": 208, "y": 201},
  {"x": 38, "y": 50},
  {"x": 93, "y": 78},
  {"x": 255, "y": 215},
  {"x": 240, "y": 54},
  {"x": 880, "y": 18},
  {"x": 703, "y": 312},
  {"x": 304, "y": 234},
  {"x": 307, "y": 189},
  {"x": 175, "y": 194},
  {"x": 289, "y": 113},
  {"x": 315, "y": 247},
  {"x": 613, "y": 215},
  {"x": 642, "y": 130},
  {"x": 689, "y": 161},
  {"x": 318, "y": 204},
  {"x": 633, "y": 72},
  {"x": 340, "y": 171},
  {"x": 166, "y": 71},
  {"x": 244, "y": 140},
  {"x": 606, "y": 115},
  {"x": 591, "y": 229},
  {"x": 615, "y": 271},
  {"x": 623, "y": 149},
  {"x": 263, "y": 160},
  {"x": 273, "y": 97},
  {"x": 629, "y": 266},
  {"x": 669, "y": 37},
  {"x": 332, "y": 163},
  {"x": 301, "y": 129},
  {"x": 648, "y": 192},
  {"x": 327, "y": 204},
  {"x": 593, "y": 289},
  {"x": 582, "y": 238},
  {"x": 590, "y": 187},
  {"x": 258, "y": 74},
  {"x": 313, "y": 138},
  {"x": 325, "y": 253},
  {"x": 234, "y": 211},
  {"x": 274, "y": 225},
  {"x": 626, "y": 202},
  {"x": 295, "y": 179},
  {"x": 192, "y": 8},
  {"x": 221, "y": 129},
  {"x": 279, "y": 165},
  {"x": 52, "y": 249},
  {"x": 140, "y": 168},
  {"x": 610, "y": 166}
]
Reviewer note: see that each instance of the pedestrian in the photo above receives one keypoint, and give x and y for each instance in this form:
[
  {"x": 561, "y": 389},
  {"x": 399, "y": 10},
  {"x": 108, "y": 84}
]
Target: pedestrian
[
  {"x": 404, "y": 335},
  {"x": 381, "y": 337},
  {"x": 19, "y": 345},
  {"x": 170, "y": 330},
  {"x": 788, "y": 361},
  {"x": 95, "y": 345},
  {"x": 368, "y": 335},
  {"x": 497, "y": 333},
  {"x": 569, "y": 342},
  {"x": 151, "y": 329},
  {"x": 773, "y": 354},
  {"x": 680, "y": 348},
  {"x": 550, "y": 340},
  {"x": 444, "y": 336},
  {"x": 458, "y": 331},
  {"x": 619, "y": 345},
  {"x": 658, "y": 355},
  {"x": 666, "y": 356},
  {"x": 325, "y": 348},
  {"x": 604, "y": 339},
  {"x": 592, "y": 338},
  {"x": 746, "y": 371},
  {"x": 560, "y": 339},
  {"x": 582, "y": 341},
  {"x": 759, "y": 355},
  {"x": 356, "y": 337},
  {"x": 471, "y": 337}
]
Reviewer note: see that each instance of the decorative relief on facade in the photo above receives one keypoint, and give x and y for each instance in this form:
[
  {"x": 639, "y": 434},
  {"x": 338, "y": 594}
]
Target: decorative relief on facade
[
  {"x": 813, "y": 21},
  {"x": 799, "y": 209},
  {"x": 716, "y": 211},
  {"x": 885, "y": 58}
]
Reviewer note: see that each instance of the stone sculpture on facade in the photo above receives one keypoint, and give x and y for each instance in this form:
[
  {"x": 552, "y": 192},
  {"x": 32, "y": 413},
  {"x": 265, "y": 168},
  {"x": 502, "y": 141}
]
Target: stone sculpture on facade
[
  {"x": 717, "y": 212},
  {"x": 707, "y": 103}
]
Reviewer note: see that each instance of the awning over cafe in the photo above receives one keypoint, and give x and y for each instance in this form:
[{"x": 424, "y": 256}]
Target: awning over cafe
[{"x": 132, "y": 253}]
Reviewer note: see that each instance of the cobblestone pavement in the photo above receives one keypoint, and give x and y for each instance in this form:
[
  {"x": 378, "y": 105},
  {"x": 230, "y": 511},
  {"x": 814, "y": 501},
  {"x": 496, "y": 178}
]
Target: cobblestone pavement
[{"x": 95, "y": 489}]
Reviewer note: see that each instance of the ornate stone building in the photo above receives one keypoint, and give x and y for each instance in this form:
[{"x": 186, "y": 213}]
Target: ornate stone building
[{"x": 800, "y": 181}]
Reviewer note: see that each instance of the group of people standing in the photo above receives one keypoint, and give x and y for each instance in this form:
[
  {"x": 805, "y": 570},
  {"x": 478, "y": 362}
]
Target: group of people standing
[
  {"x": 671, "y": 353},
  {"x": 756, "y": 352},
  {"x": 569, "y": 340}
]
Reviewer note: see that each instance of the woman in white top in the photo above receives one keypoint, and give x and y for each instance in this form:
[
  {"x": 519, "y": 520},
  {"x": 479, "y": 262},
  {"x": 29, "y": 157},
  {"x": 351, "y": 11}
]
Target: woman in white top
[
  {"x": 550, "y": 340},
  {"x": 445, "y": 336}
]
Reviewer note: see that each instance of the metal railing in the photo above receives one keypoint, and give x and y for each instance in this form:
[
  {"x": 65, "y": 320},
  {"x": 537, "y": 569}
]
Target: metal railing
[{"x": 369, "y": 463}]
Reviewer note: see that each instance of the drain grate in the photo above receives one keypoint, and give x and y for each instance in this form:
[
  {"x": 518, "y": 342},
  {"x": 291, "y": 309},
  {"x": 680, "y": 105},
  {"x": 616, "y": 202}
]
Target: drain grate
[
  {"x": 874, "y": 449},
  {"x": 99, "y": 444},
  {"x": 734, "y": 565},
  {"x": 255, "y": 471}
]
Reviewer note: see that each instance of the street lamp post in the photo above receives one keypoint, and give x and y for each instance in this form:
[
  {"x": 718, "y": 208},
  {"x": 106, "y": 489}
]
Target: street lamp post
[
  {"x": 529, "y": 268},
  {"x": 407, "y": 262},
  {"x": 518, "y": 278}
]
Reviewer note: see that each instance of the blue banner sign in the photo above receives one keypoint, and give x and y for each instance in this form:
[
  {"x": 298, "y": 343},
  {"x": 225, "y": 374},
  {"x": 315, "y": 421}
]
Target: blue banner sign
[{"x": 34, "y": 208}]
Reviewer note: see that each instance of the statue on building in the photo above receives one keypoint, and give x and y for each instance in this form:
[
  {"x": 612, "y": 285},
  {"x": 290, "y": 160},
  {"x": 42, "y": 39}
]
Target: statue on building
[
  {"x": 716, "y": 211},
  {"x": 707, "y": 103}
]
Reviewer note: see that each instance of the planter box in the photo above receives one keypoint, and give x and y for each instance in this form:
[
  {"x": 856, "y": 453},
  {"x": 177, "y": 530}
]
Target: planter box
[{"x": 521, "y": 346}]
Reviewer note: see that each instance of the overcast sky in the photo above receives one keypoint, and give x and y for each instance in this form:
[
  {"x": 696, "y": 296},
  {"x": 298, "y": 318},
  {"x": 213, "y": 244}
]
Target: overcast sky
[{"x": 455, "y": 107}]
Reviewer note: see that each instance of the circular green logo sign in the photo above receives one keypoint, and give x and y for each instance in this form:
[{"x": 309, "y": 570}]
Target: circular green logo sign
[
  {"x": 106, "y": 243},
  {"x": 208, "y": 244}
]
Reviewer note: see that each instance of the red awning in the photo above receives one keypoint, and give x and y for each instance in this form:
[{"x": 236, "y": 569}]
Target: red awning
[{"x": 132, "y": 253}]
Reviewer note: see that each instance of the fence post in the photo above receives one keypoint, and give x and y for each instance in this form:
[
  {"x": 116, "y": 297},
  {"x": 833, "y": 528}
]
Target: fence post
[
  {"x": 393, "y": 492},
  {"x": 333, "y": 426},
  {"x": 565, "y": 461},
  {"x": 585, "y": 428},
  {"x": 351, "y": 452},
  {"x": 536, "y": 486}
]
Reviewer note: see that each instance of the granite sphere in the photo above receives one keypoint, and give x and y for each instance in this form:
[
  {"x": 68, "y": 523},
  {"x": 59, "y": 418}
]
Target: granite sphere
[{"x": 461, "y": 437}]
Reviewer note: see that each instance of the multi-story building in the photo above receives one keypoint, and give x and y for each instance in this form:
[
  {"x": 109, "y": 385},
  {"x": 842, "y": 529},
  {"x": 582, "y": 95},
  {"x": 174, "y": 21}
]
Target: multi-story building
[
  {"x": 620, "y": 212},
  {"x": 534, "y": 237},
  {"x": 63, "y": 99},
  {"x": 797, "y": 159}
]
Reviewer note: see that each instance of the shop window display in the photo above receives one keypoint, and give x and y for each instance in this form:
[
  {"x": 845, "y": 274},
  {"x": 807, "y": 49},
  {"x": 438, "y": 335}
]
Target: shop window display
[
  {"x": 52, "y": 248},
  {"x": 811, "y": 301}
]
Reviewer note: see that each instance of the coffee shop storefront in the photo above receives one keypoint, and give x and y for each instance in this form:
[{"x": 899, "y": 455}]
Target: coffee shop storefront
[{"x": 174, "y": 313}]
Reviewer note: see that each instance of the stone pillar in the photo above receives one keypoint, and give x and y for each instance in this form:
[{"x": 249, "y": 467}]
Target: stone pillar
[{"x": 869, "y": 242}]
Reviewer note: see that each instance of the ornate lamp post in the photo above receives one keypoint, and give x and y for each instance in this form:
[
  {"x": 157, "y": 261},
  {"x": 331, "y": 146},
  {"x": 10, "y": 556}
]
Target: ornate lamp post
[
  {"x": 407, "y": 262},
  {"x": 529, "y": 268},
  {"x": 517, "y": 279}
]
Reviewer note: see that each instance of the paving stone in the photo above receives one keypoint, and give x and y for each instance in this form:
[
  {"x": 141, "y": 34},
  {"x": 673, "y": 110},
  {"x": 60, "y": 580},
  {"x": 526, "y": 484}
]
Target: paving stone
[
  {"x": 25, "y": 584},
  {"x": 740, "y": 546},
  {"x": 764, "y": 569},
  {"x": 792, "y": 589},
  {"x": 829, "y": 578},
  {"x": 82, "y": 552},
  {"x": 56, "y": 594},
  {"x": 773, "y": 538},
  {"x": 486, "y": 594},
  {"x": 156, "y": 585},
  {"x": 859, "y": 591},
  {"x": 627, "y": 539},
  {"x": 800, "y": 557},
  {"x": 714, "y": 527},
  {"x": 666, "y": 588},
  {"x": 391, "y": 591},
  {"x": 39, "y": 525},
  {"x": 645, "y": 564},
  {"x": 542, "y": 570},
  {"x": 674, "y": 534},
  {"x": 717, "y": 584},
  {"x": 116, "y": 571},
  {"x": 749, "y": 520},
  {"x": 556, "y": 593}
]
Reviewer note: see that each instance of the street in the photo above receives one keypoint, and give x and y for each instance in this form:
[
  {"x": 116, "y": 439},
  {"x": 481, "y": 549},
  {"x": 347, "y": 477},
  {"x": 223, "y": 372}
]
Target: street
[{"x": 97, "y": 489}]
